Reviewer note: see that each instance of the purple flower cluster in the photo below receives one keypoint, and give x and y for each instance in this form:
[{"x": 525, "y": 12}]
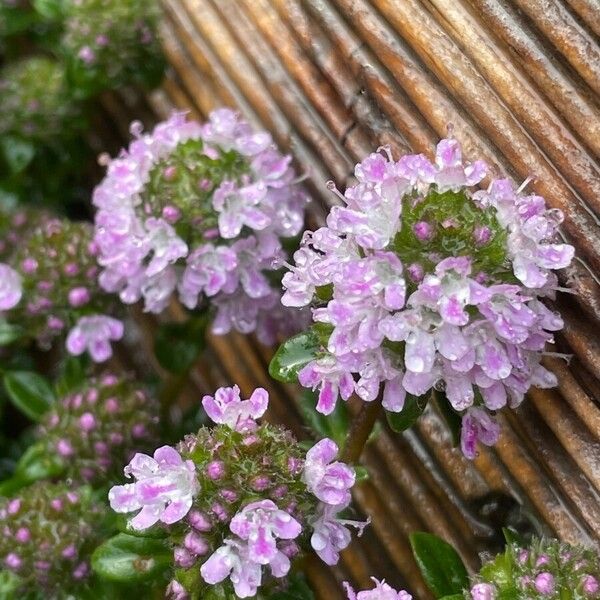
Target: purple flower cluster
[
  {"x": 48, "y": 287},
  {"x": 381, "y": 591},
  {"x": 48, "y": 534},
  {"x": 546, "y": 569},
  {"x": 112, "y": 43},
  {"x": 239, "y": 497},
  {"x": 94, "y": 429},
  {"x": 200, "y": 209},
  {"x": 422, "y": 283}
]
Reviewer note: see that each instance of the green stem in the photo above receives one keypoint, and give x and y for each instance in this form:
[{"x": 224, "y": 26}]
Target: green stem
[{"x": 360, "y": 430}]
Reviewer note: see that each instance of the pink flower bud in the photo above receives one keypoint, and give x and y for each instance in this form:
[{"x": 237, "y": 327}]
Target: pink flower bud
[
  {"x": 87, "y": 421},
  {"x": 215, "y": 470},
  {"x": 590, "y": 585},
  {"x": 544, "y": 583},
  {"x": 79, "y": 296},
  {"x": 423, "y": 231},
  {"x": 195, "y": 543},
  {"x": 23, "y": 535},
  {"x": 199, "y": 521}
]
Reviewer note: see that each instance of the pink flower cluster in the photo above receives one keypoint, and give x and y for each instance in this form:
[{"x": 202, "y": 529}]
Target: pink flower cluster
[
  {"x": 420, "y": 297},
  {"x": 240, "y": 537},
  {"x": 216, "y": 241},
  {"x": 48, "y": 287}
]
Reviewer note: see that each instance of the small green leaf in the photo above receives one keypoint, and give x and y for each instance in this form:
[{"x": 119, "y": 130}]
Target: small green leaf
[
  {"x": 34, "y": 465},
  {"x": 9, "y": 333},
  {"x": 296, "y": 353},
  {"x": 178, "y": 345},
  {"x": 17, "y": 153},
  {"x": 410, "y": 413},
  {"x": 72, "y": 375},
  {"x": 440, "y": 565},
  {"x": 454, "y": 597},
  {"x": 450, "y": 416},
  {"x": 334, "y": 426},
  {"x": 29, "y": 392},
  {"x": 9, "y": 585},
  {"x": 362, "y": 473},
  {"x": 514, "y": 537},
  {"x": 128, "y": 559},
  {"x": 49, "y": 9}
]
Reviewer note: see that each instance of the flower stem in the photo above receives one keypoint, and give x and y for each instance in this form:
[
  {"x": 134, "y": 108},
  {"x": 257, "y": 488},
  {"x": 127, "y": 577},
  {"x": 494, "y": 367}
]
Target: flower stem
[{"x": 360, "y": 430}]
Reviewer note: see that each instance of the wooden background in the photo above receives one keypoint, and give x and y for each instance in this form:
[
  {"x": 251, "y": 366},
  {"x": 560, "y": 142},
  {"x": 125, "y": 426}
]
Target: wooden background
[{"x": 333, "y": 80}]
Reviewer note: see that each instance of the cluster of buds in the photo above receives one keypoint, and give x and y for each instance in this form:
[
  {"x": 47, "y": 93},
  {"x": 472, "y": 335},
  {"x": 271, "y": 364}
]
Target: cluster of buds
[
  {"x": 547, "y": 569},
  {"x": 200, "y": 209},
  {"x": 93, "y": 430},
  {"x": 34, "y": 101},
  {"x": 49, "y": 288},
  {"x": 48, "y": 535},
  {"x": 239, "y": 497},
  {"x": 420, "y": 282},
  {"x": 381, "y": 591},
  {"x": 111, "y": 43},
  {"x": 15, "y": 225}
]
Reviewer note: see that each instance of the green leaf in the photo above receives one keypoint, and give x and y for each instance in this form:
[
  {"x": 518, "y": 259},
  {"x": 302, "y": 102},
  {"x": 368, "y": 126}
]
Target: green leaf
[
  {"x": 440, "y": 564},
  {"x": 128, "y": 559},
  {"x": 49, "y": 9},
  {"x": 334, "y": 426},
  {"x": 514, "y": 537},
  {"x": 297, "y": 352},
  {"x": 34, "y": 465},
  {"x": 17, "y": 153},
  {"x": 410, "y": 413},
  {"x": 362, "y": 473},
  {"x": 29, "y": 392},
  {"x": 450, "y": 416},
  {"x": 454, "y": 597},
  {"x": 178, "y": 345},
  {"x": 9, "y": 333},
  {"x": 9, "y": 585},
  {"x": 72, "y": 375}
]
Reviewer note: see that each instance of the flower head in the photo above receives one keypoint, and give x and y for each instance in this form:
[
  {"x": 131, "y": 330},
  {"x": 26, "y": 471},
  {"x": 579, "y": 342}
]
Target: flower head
[
  {"x": 34, "y": 101},
  {"x": 381, "y": 591},
  {"x": 48, "y": 535},
  {"x": 199, "y": 210},
  {"x": 164, "y": 489},
  {"x": 419, "y": 282},
  {"x": 249, "y": 509},
  {"x": 49, "y": 289},
  {"x": 546, "y": 569},
  {"x": 112, "y": 43},
  {"x": 95, "y": 428}
]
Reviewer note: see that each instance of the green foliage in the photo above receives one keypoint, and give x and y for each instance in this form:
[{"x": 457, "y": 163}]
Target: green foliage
[
  {"x": 295, "y": 353},
  {"x": 177, "y": 346},
  {"x": 34, "y": 465},
  {"x": 440, "y": 565},
  {"x": 450, "y": 416},
  {"x": 9, "y": 333},
  {"x": 334, "y": 426},
  {"x": 31, "y": 393},
  {"x": 410, "y": 413},
  {"x": 129, "y": 559}
]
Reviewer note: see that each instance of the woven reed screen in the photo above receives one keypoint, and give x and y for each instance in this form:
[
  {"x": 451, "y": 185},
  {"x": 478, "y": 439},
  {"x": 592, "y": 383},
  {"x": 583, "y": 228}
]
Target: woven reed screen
[{"x": 335, "y": 79}]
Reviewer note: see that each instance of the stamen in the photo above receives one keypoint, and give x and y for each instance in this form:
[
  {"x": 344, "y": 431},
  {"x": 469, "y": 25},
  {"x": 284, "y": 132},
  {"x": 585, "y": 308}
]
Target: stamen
[{"x": 332, "y": 187}]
